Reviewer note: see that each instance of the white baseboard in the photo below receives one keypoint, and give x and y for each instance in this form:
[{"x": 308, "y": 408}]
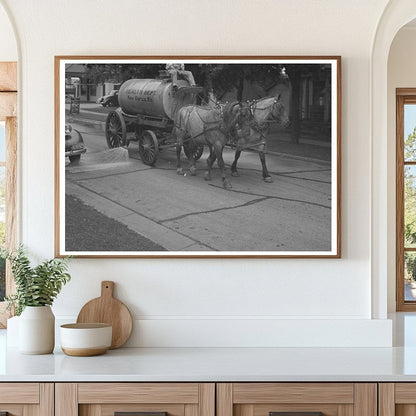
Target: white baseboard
[{"x": 189, "y": 332}]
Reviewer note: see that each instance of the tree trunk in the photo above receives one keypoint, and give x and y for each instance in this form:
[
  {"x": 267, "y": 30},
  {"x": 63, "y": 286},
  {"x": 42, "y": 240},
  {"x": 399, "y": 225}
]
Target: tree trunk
[
  {"x": 240, "y": 88},
  {"x": 294, "y": 72},
  {"x": 208, "y": 87},
  {"x": 295, "y": 80}
]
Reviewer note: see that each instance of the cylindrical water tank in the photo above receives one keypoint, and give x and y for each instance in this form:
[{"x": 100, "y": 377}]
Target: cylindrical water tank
[{"x": 153, "y": 97}]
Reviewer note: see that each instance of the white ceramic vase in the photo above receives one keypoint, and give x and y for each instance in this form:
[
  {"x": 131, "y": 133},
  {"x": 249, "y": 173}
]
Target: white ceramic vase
[
  {"x": 13, "y": 332},
  {"x": 37, "y": 330}
]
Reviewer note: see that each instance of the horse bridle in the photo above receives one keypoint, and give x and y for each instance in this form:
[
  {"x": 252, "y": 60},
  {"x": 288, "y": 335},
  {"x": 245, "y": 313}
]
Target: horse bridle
[
  {"x": 270, "y": 119},
  {"x": 253, "y": 107}
]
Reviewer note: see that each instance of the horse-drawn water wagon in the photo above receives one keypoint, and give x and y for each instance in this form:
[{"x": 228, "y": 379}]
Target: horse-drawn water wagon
[
  {"x": 157, "y": 114},
  {"x": 145, "y": 117}
]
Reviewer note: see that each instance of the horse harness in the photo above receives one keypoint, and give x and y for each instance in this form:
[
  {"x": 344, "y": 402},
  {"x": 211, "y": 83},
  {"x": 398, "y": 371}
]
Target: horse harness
[
  {"x": 216, "y": 124},
  {"x": 256, "y": 126},
  {"x": 220, "y": 124}
]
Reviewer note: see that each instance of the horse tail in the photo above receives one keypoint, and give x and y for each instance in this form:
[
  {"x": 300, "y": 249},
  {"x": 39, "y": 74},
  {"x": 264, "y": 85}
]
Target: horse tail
[{"x": 177, "y": 126}]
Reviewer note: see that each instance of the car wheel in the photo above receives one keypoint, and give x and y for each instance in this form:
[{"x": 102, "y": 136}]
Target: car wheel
[{"x": 75, "y": 159}]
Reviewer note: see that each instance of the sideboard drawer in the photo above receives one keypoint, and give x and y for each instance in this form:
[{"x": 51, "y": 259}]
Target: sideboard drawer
[
  {"x": 397, "y": 399},
  {"x": 297, "y": 399},
  {"x": 145, "y": 399},
  {"x": 21, "y": 399}
]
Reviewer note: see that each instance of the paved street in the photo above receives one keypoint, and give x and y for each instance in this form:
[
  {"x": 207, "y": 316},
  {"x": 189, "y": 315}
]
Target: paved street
[{"x": 186, "y": 213}]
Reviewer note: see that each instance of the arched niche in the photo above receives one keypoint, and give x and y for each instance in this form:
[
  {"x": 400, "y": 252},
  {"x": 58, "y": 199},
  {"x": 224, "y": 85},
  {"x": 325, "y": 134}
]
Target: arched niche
[{"x": 396, "y": 15}]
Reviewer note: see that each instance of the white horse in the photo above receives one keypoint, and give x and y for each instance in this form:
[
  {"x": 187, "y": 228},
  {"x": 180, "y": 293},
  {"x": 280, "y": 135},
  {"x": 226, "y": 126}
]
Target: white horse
[
  {"x": 206, "y": 126},
  {"x": 265, "y": 111}
]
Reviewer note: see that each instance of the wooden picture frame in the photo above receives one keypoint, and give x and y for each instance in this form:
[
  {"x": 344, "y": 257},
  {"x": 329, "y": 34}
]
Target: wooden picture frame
[{"x": 122, "y": 197}]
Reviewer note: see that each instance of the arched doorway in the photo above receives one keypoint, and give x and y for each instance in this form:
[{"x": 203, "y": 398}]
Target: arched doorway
[
  {"x": 8, "y": 150},
  {"x": 396, "y": 15}
]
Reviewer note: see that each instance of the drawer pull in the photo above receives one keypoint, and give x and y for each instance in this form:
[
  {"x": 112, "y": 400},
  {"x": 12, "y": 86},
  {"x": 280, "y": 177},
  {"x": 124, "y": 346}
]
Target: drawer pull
[
  {"x": 295, "y": 414},
  {"x": 140, "y": 414}
]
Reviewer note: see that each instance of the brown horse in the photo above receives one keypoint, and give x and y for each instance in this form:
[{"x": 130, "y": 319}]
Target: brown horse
[
  {"x": 264, "y": 111},
  {"x": 207, "y": 126}
]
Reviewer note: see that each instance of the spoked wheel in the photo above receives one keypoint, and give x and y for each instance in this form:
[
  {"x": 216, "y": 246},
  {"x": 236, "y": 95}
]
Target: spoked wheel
[
  {"x": 191, "y": 148},
  {"x": 115, "y": 130},
  {"x": 148, "y": 147}
]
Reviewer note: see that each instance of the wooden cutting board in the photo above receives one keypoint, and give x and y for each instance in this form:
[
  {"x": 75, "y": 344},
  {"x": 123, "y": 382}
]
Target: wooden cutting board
[{"x": 108, "y": 310}]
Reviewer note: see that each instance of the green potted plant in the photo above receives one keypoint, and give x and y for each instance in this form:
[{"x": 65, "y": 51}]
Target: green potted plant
[{"x": 36, "y": 289}]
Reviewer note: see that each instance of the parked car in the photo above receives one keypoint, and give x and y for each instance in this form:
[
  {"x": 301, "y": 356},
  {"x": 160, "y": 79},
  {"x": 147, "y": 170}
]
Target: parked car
[
  {"x": 109, "y": 100},
  {"x": 74, "y": 144}
]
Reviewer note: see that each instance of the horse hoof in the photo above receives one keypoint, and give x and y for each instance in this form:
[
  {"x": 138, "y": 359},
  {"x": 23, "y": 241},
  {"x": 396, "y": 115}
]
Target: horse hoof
[
  {"x": 192, "y": 171},
  {"x": 268, "y": 179},
  {"x": 235, "y": 174},
  {"x": 207, "y": 176},
  {"x": 227, "y": 185},
  {"x": 179, "y": 172}
]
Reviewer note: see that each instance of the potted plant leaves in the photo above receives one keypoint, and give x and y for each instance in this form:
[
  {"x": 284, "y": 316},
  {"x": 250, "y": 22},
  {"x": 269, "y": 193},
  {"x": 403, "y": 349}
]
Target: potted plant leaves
[{"x": 36, "y": 289}]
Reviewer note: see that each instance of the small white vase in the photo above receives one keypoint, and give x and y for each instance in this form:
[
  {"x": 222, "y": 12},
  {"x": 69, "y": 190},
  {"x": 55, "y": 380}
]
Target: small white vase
[{"x": 37, "y": 330}]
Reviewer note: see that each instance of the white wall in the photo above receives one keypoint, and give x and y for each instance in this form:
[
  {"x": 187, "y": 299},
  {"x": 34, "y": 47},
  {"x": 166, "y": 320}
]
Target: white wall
[
  {"x": 8, "y": 46},
  {"x": 401, "y": 74},
  {"x": 212, "y": 302}
]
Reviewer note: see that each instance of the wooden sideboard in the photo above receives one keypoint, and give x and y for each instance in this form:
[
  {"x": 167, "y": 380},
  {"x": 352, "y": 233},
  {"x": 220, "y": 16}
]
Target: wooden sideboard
[{"x": 208, "y": 399}]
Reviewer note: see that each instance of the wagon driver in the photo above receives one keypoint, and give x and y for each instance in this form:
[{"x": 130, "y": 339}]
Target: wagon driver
[{"x": 176, "y": 70}]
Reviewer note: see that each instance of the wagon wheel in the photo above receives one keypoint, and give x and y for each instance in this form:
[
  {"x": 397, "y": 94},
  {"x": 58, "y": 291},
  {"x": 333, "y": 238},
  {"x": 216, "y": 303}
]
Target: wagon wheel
[
  {"x": 148, "y": 147},
  {"x": 191, "y": 148},
  {"x": 115, "y": 130}
]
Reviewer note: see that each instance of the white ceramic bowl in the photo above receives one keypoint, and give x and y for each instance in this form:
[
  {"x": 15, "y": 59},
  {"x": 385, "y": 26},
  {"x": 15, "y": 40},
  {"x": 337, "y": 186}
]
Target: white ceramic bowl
[{"x": 83, "y": 340}]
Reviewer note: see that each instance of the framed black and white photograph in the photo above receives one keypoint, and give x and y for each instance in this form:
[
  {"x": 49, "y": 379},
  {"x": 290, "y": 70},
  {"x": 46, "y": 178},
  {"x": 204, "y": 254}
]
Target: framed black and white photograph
[{"x": 198, "y": 156}]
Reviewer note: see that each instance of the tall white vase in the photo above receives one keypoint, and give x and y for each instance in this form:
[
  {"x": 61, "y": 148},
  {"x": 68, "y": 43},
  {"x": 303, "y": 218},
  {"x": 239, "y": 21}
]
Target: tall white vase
[{"x": 37, "y": 330}]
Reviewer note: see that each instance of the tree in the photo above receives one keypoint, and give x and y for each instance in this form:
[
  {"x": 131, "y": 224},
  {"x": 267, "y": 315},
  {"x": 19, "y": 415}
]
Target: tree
[
  {"x": 410, "y": 204},
  {"x": 295, "y": 76},
  {"x": 204, "y": 75},
  {"x": 410, "y": 191},
  {"x": 296, "y": 73},
  {"x": 2, "y": 205},
  {"x": 235, "y": 75},
  {"x": 222, "y": 78},
  {"x": 410, "y": 146},
  {"x": 118, "y": 73}
]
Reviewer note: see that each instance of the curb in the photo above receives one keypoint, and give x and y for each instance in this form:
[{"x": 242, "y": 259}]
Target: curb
[
  {"x": 297, "y": 157},
  {"x": 97, "y": 124},
  {"x": 100, "y": 125}
]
